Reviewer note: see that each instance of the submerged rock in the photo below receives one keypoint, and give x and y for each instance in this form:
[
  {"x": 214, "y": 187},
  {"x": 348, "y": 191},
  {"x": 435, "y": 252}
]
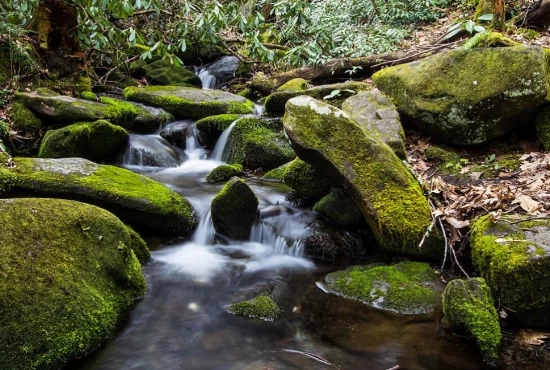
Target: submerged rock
[
  {"x": 275, "y": 103},
  {"x": 376, "y": 114},
  {"x": 339, "y": 208},
  {"x": 405, "y": 288},
  {"x": 96, "y": 141},
  {"x": 448, "y": 99},
  {"x": 224, "y": 173},
  {"x": 258, "y": 143},
  {"x": 63, "y": 110},
  {"x": 69, "y": 271},
  {"x": 469, "y": 309},
  {"x": 136, "y": 199},
  {"x": 306, "y": 180},
  {"x": 372, "y": 175},
  {"x": 163, "y": 72},
  {"x": 234, "y": 210},
  {"x": 513, "y": 257},
  {"x": 187, "y": 102},
  {"x": 262, "y": 308}
]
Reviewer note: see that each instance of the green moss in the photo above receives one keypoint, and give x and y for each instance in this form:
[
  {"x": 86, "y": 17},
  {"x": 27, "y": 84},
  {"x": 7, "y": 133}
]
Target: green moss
[
  {"x": 488, "y": 40},
  {"x": 262, "y": 83},
  {"x": 68, "y": 272},
  {"x": 246, "y": 93},
  {"x": 139, "y": 247},
  {"x": 186, "y": 102},
  {"x": 258, "y": 143},
  {"x": 447, "y": 99},
  {"x": 262, "y": 308},
  {"x": 277, "y": 174},
  {"x": 542, "y": 125},
  {"x": 339, "y": 208},
  {"x": 165, "y": 73},
  {"x": 138, "y": 200},
  {"x": 296, "y": 84},
  {"x": 24, "y": 121},
  {"x": 224, "y": 173},
  {"x": 96, "y": 141},
  {"x": 469, "y": 308},
  {"x": 406, "y": 287},
  {"x": 442, "y": 155},
  {"x": 134, "y": 117},
  {"x": 215, "y": 125},
  {"x": 83, "y": 83},
  {"x": 4, "y": 130},
  {"x": 307, "y": 181},
  {"x": 88, "y": 95}
]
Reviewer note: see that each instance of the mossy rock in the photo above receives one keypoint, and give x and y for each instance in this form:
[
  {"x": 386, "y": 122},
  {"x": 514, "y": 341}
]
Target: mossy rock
[
  {"x": 275, "y": 103},
  {"x": 214, "y": 126},
  {"x": 277, "y": 174},
  {"x": 88, "y": 95},
  {"x": 262, "y": 307},
  {"x": 513, "y": 257},
  {"x": 306, "y": 180},
  {"x": 296, "y": 84},
  {"x": 488, "y": 40},
  {"x": 64, "y": 110},
  {"x": 4, "y": 130},
  {"x": 258, "y": 143},
  {"x": 405, "y": 288},
  {"x": 177, "y": 133},
  {"x": 146, "y": 204},
  {"x": 68, "y": 273},
  {"x": 97, "y": 141},
  {"x": 162, "y": 72},
  {"x": 262, "y": 83},
  {"x": 542, "y": 125},
  {"x": 24, "y": 121},
  {"x": 376, "y": 114},
  {"x": 372, "y": 175},
  {"x": 442, "y": 155},
  {"x": 188, "y": 102},
  {"x": 224, "y": 173},
  {"x": 339, "y": 208},
  {"x": 469, "y": 309},
  {"x": 234, "y": 209},
  {"x": 444, "y": 97}
]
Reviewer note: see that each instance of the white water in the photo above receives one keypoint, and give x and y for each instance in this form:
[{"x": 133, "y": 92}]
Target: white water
[
  {"x": 221, "y": 145},
  {"x": 150, "y": 151},
  {"x": 216, "y": 73}
]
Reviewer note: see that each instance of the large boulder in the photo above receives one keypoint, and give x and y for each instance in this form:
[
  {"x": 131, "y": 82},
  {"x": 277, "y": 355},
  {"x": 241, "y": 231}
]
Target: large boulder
[
  {"x": 234, "y": 210},
  {"x": 306, "y": 180},
  {"x": 469, "y": 309},
  {"x": 68, "y": 273},
  {"x": 380, "y": 185},
  {"x": 513, "y": 256},
  {"x": 258, "y": 143},
  {"x": 163, "y": 72},
  {"x": 187, "y": 102},
  {"x": 335, "y": 94},
  {"x": 64, "y": 110},
  {"x": 375, "y": 113},
  {"x": 406, "y": 288},
  {"x": 469, "y": 96},
  {"x": 136, "y": 199},
  {"x": 97, "y": 141}
]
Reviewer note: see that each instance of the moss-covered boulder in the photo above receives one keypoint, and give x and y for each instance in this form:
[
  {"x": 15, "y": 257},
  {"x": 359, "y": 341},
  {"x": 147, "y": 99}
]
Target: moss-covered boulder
[
  {"x": 375, "y": 113},
  {"x": 542, "y": 125},
  {"x": 296, "y": 84},
  {"x": 68, "y": 273},
  {"x": 136, "y": 199},
  {"x": 276, "y": 174},
  {"x": 334, "y": 94},
  {"x": 163, "y": 72},
  {"x": 306, "y": 180},
  {"x": 372, "y": 175},
  {"x": 210, "y": 128},
  {"x": 469, "y": 309},
  {"x": 224, "y": 173},
  {"x": 258, "y": 143},
  {"x": 234, "y": 210},
  {"x": 63, "y": 110},
  {"x": 187, "y": 102},
  {"x": 513, "y": 257},
  {"x": 445, "y": 97},
  {"x": 97, "y": 141},
  {"x": 24, "y": 121},
  {"x": 488, "y": 39},
  {"x": 262, "y": 83},
  {"x": 262, "y": 307},
  {"x": 406, "y": 288},
  {"x": 339, "y": 208}
]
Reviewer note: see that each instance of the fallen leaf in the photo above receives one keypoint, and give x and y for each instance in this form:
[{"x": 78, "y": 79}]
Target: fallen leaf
[
  {"x": 457, "y": 223},
  {"x": 527, "y": 203}
]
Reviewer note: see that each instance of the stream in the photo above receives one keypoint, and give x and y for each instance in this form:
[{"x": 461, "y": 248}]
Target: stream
[{"x": 182, "y": 322}]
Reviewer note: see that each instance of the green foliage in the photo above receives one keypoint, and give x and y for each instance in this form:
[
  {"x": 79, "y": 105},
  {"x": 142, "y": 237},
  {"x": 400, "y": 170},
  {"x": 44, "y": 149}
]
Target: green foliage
[{"x": 469, "y": 26}]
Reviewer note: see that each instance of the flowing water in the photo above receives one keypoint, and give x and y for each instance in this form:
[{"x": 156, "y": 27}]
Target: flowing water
[
  {"x": 216, "y": 73},
  {"x": 182, "y": 322}
]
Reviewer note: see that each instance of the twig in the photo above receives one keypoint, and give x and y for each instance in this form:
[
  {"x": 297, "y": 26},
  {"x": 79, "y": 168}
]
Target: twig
[
  {"x": 396, "y": 367},
  {"x": 446, "y": 242},
  {"x": 312, "y": 356},
  {"x": 456, "y": 260}
]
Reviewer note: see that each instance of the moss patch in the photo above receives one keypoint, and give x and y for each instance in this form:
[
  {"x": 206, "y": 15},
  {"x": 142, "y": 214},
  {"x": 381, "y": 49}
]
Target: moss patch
[
  {"x": 405, "y": 288},
  {"x": 213, "y": 126},
  {"x": 88, "y": 95},
  {"x": 163, "y": 72},
  {"x": 277, "y": 174},
  {"x": 488, "y": 40},
  {"x": 306, "y": 180},
  {"x": 68, "y": 269},
  {"x": 24, "y": 121},
  {"x": 469, "y": 308},
  {"x": 96, "y": 141},
  {"x": 262, "y": 308},
  {"x": 224, "y": 173},
  {"x": 296, "y": 84}
]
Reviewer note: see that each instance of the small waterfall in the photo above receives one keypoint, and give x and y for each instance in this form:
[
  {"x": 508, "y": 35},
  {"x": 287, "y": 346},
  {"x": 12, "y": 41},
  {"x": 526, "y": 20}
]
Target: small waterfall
[
  {"x": 214, "y": 74},
  {"x": 221, "y": 144},
  {"x": 204, "y": 235},
  {"x": 265, "y": 234},
  {"x": 150, "y": 151},
  {"x": 259, "y": 109}
]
